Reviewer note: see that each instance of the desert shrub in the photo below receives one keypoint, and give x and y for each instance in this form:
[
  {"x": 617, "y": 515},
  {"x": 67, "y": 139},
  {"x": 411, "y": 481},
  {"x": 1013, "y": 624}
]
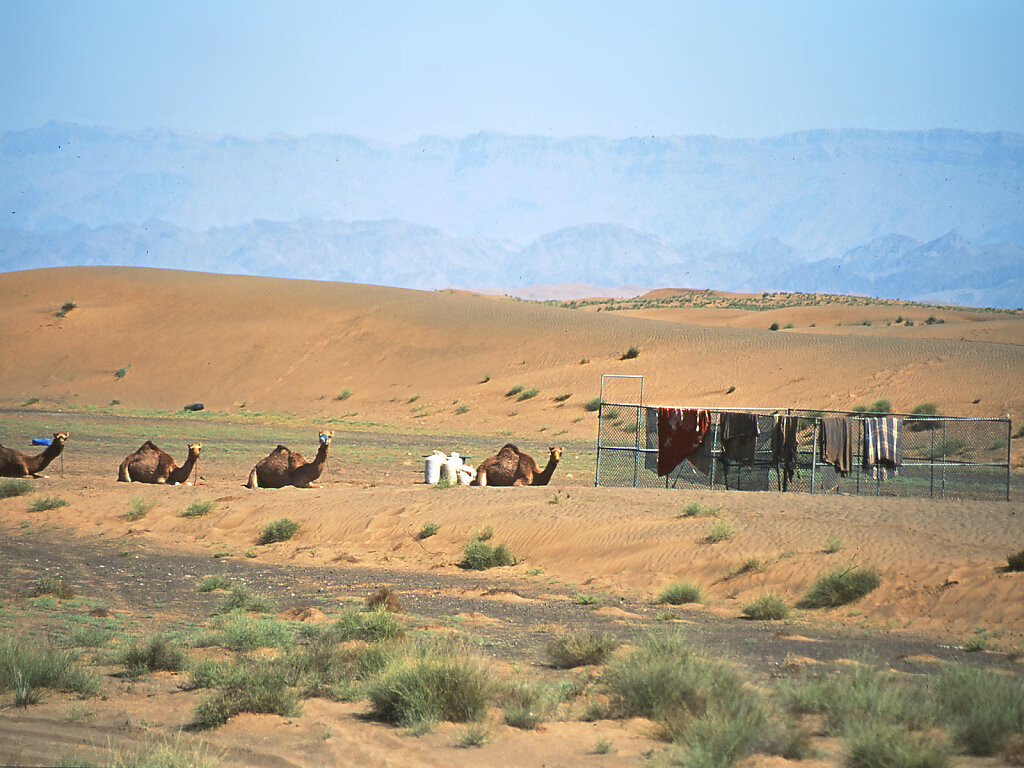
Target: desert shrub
[
  {"x": 26, "y": 667},
  {"x": 89, "y": 636},
  {"x": 773, "y": 327},
  {"x": 479, "y": 556},
  {"x": 832, "y": 545},
  {"x": 486, "y": 533},
  {"x": 120, "y": 373},
  {"x": 198, "y": 509},
  {"x": 51, "y": 585},
  {"x": 593, "y": 404},
  {"x": 525, "y": 705},
  {"x": 578, "y": 650},
  {"x": 1015, "y": 561},
  {"x": 345, "y": 394},
  {"x": 66, "y": 307},
  {"x": 563, "y": 397},
  {"x": 871, "y": 745},
  {"x": 257, "y": 688},
  {"x": 630, "y": 353},
  {"x": 242, "y": 632},
  {"x": 880, "y": 406},
  {"x": 139, "y": 508},
  {"x": 720, "y": 531},
  {"x": 696, "y": 509},
  {"x": 984, "y": 709},
  {"x": 840, "y": 586},
  {"x": 208, "y": 673},
  {"x": 155, "y": 654},
  {"x": 528, "y": 394},
  {"x": 241, "y": 599},
  {"x": 369, "y": 626},
  {"x": 428, "y": 530},
  {"x": 279, "y": 530},
  {"x": 384, "y": 599},
  {"x": 44, "y": 503},
  {"x": 859, "y": 408},
  {"x": 473, "y": 735},
  {"x": 441, "y": 682},
  {"x": 211, "y": 583},
  {"x": 679, "y": 593},
  {"x": 12, "y": 488},
  {"x": 695, "y": 700},
  {"x": 517, "y": 389},
  {"x": 766, "y": 608}
]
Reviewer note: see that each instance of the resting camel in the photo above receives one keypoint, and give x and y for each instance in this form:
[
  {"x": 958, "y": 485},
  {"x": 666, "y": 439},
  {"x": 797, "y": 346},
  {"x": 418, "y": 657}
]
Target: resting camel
[
  {"x": 512, "y": 467},
  {"x": 151, "y": 465},
  {"x": 16, "y": 464},
  {"x": 286, "y": 467}
]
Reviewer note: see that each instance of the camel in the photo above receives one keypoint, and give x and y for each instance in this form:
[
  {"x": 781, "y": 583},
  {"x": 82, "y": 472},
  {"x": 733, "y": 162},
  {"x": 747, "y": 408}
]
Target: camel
[
  {"x": 286, "y": 467},
  {"x": 512, "y": 467},
  {"x": 16, "y": 464},
  {"x": 151, "y": 465}
]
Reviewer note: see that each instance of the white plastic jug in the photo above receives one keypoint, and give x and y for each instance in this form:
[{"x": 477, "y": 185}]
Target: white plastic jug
[{"x": 432, "y": 468}]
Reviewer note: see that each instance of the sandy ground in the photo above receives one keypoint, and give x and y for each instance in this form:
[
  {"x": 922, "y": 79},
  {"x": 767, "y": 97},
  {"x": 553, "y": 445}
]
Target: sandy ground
[{"x": 427, "y": 364}]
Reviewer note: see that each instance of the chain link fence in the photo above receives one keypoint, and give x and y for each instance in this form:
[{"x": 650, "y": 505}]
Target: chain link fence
[{"x": 943, "y": 457}]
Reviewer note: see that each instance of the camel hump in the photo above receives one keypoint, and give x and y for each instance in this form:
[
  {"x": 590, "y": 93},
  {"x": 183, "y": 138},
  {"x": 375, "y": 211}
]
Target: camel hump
[
  {"x": 281, "y": 448},
  {"x": 149, "y": 445}
]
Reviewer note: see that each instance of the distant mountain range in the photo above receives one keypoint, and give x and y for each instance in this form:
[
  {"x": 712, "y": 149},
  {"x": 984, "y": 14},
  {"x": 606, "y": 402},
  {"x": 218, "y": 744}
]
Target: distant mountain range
[{"x": 838, "y": 211}]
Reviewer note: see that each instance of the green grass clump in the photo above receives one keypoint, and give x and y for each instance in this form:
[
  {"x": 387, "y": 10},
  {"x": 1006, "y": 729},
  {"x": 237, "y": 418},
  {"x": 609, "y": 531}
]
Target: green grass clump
[
  {"x": 594, "y": 404},
  {"x": 579, "y": 650},
  {"x": 832, "y": 545},
  {"x": 680, "y": 593},
  {"x": 517, "y": 389},
  {"x": 525, "y": 705},
  {"x": 279, "y": 530},
  {"x": 44, "y": 503},
  {"x": 155, "y": 654},
  {"x": 257, "y": 688},
  {"x": 527, "y": 394},
  {"x": 210, "y": 583},
  {"x": 242, "y": 632},
  {"x": 720, "y": 531},
  {"x": 631, "y": 353},
  {"x": 139, "y": 508},
  {"x": 66, "y": 307},
  {"x": 198, "y": 509},
  {"x": 26, "y": 668},
  {"x": 766, "y": 608},
  {"x": 428, "y": 530},
  {"x": 1015, "y": 561},
  {"x": 984, "y": 709},
  {"x": 840, "y": 586},
  {"x": 373, "y": 626},
  {"x": 696, "y": 509},
  {"x": 699, "y": 703},
  {"x": 479, "y": 556},
  {"x": 562, "y": 398},
  {"x": 51, "y": 585},
  {"x": 870, "y": 745},
  {"x": 241, "y": 599},
  {"x": 440, "y": 682},
  {"x": 345, "y": 394},
  {"x": 12, "y": 488}
]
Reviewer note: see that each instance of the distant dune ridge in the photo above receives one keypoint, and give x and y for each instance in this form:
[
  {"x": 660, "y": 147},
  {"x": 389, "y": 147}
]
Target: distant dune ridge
[
  {"x": 935, "y": 215},
  {"x": 160, "y": 339}
]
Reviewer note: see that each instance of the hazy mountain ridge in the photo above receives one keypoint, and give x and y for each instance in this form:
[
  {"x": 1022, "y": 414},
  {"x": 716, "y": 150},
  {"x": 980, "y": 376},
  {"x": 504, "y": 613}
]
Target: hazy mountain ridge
[{"x": 807, "y": 211}]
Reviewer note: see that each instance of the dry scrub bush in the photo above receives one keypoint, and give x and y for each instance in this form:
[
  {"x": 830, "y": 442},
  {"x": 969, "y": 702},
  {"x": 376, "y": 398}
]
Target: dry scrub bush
[
  {"x": 578, "y": 650},
  {"x": 840, "y": 586}
]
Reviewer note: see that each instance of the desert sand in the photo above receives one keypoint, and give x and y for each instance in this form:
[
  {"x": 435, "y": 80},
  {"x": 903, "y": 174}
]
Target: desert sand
[{"x": 406, "y": 372}]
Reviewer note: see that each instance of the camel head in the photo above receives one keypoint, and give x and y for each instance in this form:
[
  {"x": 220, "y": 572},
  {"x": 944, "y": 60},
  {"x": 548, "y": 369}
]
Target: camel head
[
  {"x": 194, "y": 449},
  {"x": 556, "y": 453},
  {"x": 325, "y": 437},
  {"x": 59, "y": 438}
]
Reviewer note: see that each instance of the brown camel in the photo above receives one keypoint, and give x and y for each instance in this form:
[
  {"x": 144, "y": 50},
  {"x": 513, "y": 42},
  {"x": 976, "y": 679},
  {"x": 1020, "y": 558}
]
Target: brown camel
[
  {"x": 286, "y": 467},
  {"x": 151, "y": 465},
  {"x": 512, "y": 467},
  {"x": 16, "y": 464}
]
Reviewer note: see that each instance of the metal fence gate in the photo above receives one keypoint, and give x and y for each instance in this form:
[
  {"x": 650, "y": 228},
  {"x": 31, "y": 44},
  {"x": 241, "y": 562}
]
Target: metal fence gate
[{"x": 943, "y": 457}]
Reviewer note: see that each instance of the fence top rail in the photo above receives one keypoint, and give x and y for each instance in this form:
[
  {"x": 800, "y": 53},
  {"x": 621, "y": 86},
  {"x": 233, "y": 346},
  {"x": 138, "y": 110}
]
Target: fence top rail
[{"x": 812, "y": 412}]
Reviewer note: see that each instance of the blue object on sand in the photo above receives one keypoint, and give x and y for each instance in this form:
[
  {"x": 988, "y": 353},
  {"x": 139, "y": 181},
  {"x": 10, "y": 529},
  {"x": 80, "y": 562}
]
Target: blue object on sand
[
  {"x": 194, "y": 407},
  {"x": 41, "y": 441}
]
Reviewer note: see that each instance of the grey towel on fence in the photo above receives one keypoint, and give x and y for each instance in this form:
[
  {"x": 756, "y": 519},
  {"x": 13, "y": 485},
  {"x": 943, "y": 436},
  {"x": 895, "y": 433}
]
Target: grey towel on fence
[
  {"x": 837, "y": 442},
  {"x": 883, "y": 452},
  {"x": 739, "y": 436},
  {"x": 784, "y": 445}
]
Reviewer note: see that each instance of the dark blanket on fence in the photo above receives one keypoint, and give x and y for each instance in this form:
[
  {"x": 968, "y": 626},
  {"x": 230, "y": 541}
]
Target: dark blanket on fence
[
  {"x": 837, "y": 442},
  {"x": 739, "y": 436},
  {"x": 784, "y": 446},
  {"x": 883, "y": 451},
  {"x": 680, "y": 432}
]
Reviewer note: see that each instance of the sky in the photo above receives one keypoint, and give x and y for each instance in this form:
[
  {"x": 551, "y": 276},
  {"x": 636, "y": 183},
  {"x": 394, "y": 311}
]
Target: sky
[{"x": 394, "y": 71}]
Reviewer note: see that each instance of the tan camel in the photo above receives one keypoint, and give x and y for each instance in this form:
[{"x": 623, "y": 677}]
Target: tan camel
[
  {"x": 286, "y": 467},
  {"x": 16, "y": 464},
  {"x": 512, "y": 467},
  {"x": 151, "y": 465}
]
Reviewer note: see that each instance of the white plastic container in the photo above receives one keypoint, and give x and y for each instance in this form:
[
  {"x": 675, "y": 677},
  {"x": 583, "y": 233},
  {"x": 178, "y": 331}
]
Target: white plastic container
[
  {"x": 451, "y": 468},
  {"x": 432, "y": 468}
]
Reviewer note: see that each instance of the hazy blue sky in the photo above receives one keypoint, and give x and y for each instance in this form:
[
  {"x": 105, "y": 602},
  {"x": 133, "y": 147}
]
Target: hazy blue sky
[{"x": 398, "y": 70}]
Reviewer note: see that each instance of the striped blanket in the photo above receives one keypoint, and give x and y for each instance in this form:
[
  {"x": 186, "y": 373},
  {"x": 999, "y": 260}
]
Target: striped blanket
[{"x": 883, "y": 452}]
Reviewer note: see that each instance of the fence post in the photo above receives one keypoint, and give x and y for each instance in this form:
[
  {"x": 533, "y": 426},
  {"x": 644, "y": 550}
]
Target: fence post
[
  {"x": 636, "y": 451},
  {"x": 597, "y": 472},
  {"x": 714, "y": 440},
  {"x": 1009, "y": 437},
  {"x": 814, "y": 454},
  {"x": 942, "y": 492}
]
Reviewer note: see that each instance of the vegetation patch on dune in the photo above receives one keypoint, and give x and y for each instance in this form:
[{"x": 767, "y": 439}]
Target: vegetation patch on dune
[{"x": 840, "y": 586}]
